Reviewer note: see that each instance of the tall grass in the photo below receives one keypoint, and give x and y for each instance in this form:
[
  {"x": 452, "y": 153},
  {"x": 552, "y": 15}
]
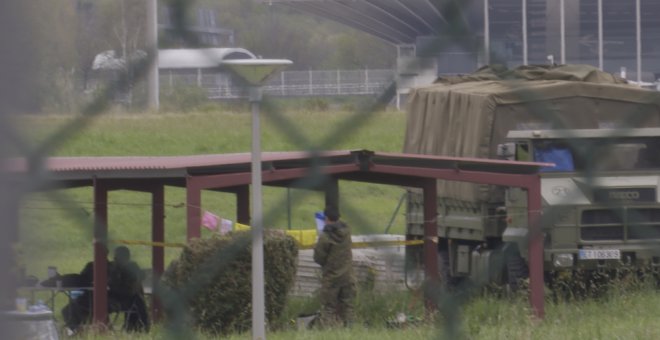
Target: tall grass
[{"x": 630, "y": 314}]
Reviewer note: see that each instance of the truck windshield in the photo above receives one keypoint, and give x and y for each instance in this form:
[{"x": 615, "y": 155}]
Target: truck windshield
[{"x": 598, "y": 154}]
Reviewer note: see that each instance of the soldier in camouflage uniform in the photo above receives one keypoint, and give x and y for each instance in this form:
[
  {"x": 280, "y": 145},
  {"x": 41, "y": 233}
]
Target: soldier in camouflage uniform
[{"x": 333, "y": 253}]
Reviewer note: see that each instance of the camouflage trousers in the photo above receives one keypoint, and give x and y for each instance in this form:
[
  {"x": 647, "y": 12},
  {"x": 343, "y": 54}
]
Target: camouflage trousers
[{"x": 337, "y": 303}]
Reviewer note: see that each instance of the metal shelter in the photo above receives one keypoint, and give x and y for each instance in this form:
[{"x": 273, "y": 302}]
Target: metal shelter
[{"x": 316, "y": 171}]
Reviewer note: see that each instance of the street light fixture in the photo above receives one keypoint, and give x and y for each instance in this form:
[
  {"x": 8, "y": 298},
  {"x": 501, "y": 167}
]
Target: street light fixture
[{"x": 255, "y": 72}]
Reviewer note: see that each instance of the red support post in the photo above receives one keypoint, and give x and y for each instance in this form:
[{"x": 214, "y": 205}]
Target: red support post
[
  {"x": 243, "y": 205},
  {"x": 536, "y": 293},
  {"x": 100, "y": 305},
  {"x": 9, "y": 239},
  {"x": 332, "y": 193},
  {"x": 431, "y": 237},
  {"x": 157, "y": 252},
  {"x": 194, "y": 209}
]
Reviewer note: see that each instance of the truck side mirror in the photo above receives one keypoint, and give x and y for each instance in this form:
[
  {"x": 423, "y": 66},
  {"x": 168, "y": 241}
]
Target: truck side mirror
[{"x": 506, "y": 151}]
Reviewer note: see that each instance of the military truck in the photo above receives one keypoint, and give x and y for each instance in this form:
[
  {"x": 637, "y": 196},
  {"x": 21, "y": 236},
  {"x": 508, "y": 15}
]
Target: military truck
[{"x": 600, "y": 203}]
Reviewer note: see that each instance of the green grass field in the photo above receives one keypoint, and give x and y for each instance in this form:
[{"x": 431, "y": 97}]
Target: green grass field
[{"x": 56, "y": 226}]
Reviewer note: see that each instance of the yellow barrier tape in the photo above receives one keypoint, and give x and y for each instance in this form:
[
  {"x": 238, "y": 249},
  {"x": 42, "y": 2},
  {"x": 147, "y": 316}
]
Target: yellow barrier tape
[
  {"x": 303, "y": 242},
  {"x": 150, "y": 243},
  {"x": 378, "y": 244}
]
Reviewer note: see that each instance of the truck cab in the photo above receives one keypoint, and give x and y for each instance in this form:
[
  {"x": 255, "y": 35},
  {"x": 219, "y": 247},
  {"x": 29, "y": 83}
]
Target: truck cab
[{"x": 600, "y": 201}]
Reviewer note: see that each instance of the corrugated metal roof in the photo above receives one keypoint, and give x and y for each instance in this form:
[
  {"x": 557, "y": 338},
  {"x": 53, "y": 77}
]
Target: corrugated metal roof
[
  {"x": 173, "y": 170},
  {"x": 121, "y": 163}
]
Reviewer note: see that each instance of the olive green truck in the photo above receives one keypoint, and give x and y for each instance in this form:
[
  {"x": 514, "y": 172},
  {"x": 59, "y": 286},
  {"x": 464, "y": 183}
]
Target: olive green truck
[{"x": 601, "y": 208}]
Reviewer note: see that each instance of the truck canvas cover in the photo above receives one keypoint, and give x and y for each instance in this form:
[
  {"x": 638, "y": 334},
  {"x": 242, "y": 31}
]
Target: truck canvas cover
[{"x": 468, "y": 116}]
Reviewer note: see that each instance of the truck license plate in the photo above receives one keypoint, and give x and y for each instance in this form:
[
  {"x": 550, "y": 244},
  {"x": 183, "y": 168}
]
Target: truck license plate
[{"x": 599, "y": 254}]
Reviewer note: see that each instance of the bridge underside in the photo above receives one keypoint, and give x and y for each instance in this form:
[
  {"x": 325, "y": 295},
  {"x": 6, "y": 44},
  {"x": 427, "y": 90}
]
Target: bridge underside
[
  {"x": 398, "y": 22},
  {"x": 612, "y": 35}
]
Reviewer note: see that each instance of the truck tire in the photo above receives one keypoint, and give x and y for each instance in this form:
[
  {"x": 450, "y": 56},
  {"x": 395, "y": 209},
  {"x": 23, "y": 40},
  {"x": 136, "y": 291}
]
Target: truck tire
[{"x": 516, "y": 271}]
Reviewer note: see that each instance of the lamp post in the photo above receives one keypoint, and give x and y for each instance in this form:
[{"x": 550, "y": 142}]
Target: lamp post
[{"x": 255, "y": 72}]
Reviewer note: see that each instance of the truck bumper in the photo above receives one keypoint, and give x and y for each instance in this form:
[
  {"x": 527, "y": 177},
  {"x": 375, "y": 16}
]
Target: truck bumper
[{"x": 605, "y": 257}]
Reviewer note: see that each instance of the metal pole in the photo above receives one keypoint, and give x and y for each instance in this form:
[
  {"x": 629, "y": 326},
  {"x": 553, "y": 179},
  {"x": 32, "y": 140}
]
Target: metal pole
[
  {"x": 396, "y": 211},
  {"x": 486, "y": 33},
  {"x": 157, "y": 253},
  {"x": 524, "y": 31},
  {"x": 562, "y": 30},
  {"x": 152, "y": 47},
  {"x": 639, "y": 41},
  {"x": 535, "y": 246},
  {"x": 258, "y": 296},
  {"x": 430, "y": 193},
  {"x": 311, "y": 90},
  {"x": 600, "y": 34},
  {"x": 288, "y": 207}
]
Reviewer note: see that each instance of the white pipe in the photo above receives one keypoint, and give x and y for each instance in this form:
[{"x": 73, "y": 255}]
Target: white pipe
[
  {"x": 562, "y": 29},
  {"x": 258, "y": 294},
  {"x": 639, "y": 41},
  {"x": 152, "y": 47},
  {"x": 524, "y": 31},
  {"x": 486, "y": 33}
]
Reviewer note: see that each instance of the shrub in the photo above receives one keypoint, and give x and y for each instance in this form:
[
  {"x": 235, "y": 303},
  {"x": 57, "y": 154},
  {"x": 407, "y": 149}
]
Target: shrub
[
  {"x": 183, "y": 98},
  {"x": 213, "y": 276}
]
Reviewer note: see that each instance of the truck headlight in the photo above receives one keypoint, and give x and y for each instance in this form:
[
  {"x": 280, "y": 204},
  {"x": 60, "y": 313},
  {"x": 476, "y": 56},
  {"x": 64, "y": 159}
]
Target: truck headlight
[{"x": 562, "y": 260}]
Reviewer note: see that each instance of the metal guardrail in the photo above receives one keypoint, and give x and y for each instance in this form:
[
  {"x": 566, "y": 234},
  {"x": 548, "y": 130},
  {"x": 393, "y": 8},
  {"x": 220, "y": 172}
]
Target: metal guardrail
[{"x": 289, "y": 83}]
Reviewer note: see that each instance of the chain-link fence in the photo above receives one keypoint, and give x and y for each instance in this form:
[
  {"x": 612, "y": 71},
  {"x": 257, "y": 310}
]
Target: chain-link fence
[{"x": 600, "y": 216}]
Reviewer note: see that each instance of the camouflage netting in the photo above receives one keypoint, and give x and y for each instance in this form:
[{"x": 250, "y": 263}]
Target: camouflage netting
[
  {"x": 213, "y": 276},
  {"x": 585, "y": 73}
]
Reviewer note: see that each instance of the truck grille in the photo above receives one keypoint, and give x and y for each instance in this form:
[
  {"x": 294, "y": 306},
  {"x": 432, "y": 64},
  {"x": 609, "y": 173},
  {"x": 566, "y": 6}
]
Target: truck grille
[
  {"x": 602, "y": 233},
  {"x": 620, "y": 224}
]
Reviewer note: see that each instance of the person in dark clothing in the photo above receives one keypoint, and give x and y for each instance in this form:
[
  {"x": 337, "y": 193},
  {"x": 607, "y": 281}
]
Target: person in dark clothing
[
  {"x": 79, "y": 309},
  {"x": 126, "y": 292},
  {"x": 338, "y": 287}
]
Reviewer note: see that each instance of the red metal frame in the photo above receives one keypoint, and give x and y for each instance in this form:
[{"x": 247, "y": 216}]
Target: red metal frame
[
  {"x": 157, "y": 252},
  {"x": 360, "y": 166},
  {"x": 405, "y": 175},
  {"x": 100, "y": 295}
]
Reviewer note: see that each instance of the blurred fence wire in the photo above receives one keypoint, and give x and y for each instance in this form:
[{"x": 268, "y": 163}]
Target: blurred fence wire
[{"x": 15, "y": 98}]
